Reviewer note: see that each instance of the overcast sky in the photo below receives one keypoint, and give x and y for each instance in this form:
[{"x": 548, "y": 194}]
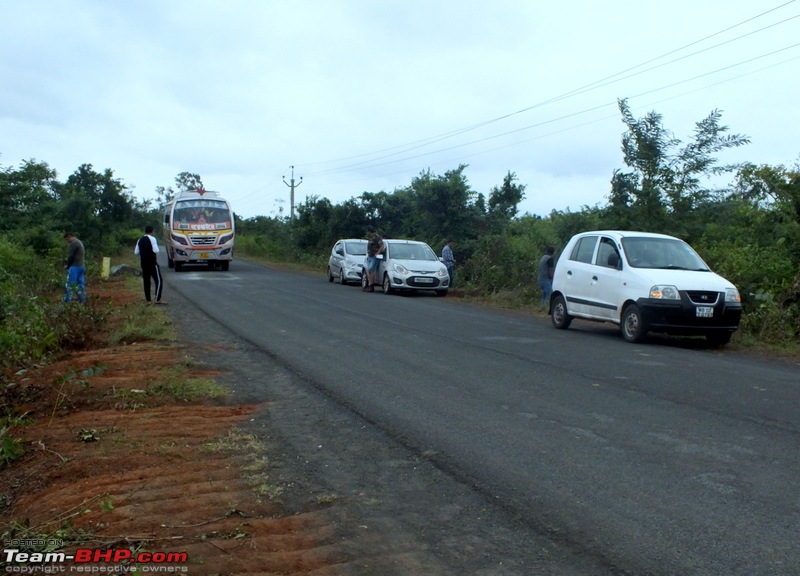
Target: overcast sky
[{"x": 364, "y": 95}]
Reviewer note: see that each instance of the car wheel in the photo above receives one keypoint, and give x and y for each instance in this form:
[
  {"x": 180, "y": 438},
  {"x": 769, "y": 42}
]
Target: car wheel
[
  {"x": 632, "y": 325},
  {"x": 718, "y": 339},
  {"x": 387, "y": 284},
  {"x": 178, "y": 266},
  {"x": 364, "y": 279},
  {"x": 330, "y": 274},
  {"x": 441, "y": 292},
  {"x": 342, "y": 279},
  {"x": 559, "y": 315}
]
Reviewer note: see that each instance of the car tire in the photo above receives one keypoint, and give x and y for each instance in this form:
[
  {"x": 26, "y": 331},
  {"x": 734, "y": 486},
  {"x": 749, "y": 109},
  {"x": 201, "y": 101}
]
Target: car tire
[
  {"x": 387, "y": 284},
  {"x": 342, "y": 279},
  {"x": 225, "y": 265},
  {"x": 632, "y": 325},
  {"x": 559, "y": 315},
  {"x": 330, "y": 274},
  {"x": 441, "y": 293},
  {"x": 364, "y": 279}
]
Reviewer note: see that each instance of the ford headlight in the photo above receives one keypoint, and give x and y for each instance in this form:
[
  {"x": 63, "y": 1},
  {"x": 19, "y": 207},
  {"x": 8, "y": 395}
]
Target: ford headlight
[
  {"x": 665, "y": 293},
  {"x": 442, "y": 272},
  {"x": 400, "y": 269}
]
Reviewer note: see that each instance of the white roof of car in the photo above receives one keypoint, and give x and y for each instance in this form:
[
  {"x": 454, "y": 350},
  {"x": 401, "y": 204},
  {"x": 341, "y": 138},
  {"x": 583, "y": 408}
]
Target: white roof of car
[{"x": 626, "y": 234}]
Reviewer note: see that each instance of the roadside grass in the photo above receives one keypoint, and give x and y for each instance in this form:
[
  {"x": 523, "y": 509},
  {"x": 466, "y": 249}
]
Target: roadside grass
[
  {"x": 128, "y": 321},
  {"x": 255, "y": 466},
  {"x": 178, "y": 383},
  {"x": 138, "y": 322},
  {"x": 57, "y": 531}
]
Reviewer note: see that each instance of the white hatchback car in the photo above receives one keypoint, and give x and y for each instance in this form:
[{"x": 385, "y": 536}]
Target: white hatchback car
[
  {"x": 643, "y": 282},
  {"x": 410, "y": 265},
  {"x": 346, "y": 260}
]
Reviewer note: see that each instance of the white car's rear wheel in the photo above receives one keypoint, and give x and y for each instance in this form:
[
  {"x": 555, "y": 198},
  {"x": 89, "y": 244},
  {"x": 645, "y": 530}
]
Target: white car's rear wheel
[{"x": 559, "y": 316}]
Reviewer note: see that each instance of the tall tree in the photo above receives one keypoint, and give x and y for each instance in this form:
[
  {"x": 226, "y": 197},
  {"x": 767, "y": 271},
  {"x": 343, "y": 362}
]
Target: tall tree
[
  {"x": 665, "y": 183},
  {"x": 188, "y": 181},
  {"x": 96, "y": 205},
  {"x": 503, "y": 201},
  {"x": 28, "y": 204}
]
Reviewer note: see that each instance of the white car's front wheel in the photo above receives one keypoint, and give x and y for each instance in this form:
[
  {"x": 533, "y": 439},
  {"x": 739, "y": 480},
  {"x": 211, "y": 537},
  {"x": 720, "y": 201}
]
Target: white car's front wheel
[{"x": 632, "y": 325}]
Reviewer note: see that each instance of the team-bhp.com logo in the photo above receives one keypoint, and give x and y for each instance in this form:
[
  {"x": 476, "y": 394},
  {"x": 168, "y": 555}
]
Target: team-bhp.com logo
[{"x": 93, "y": 560}]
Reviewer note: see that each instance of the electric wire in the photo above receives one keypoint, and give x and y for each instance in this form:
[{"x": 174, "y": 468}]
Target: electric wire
[{"x": 399, "y": 149}]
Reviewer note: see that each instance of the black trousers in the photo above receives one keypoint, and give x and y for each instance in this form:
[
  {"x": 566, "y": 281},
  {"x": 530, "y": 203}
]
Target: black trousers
[{"x": 152, "y": 273}]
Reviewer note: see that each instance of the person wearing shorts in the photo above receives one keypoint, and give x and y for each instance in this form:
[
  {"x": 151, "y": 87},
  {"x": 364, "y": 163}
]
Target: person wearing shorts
[{"x": 374, "y": 247}]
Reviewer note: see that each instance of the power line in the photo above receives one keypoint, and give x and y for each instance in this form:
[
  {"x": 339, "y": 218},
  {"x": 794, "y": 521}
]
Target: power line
[
  {"x": 401, "y": 149},
  {"x": 375, "y": 163}
]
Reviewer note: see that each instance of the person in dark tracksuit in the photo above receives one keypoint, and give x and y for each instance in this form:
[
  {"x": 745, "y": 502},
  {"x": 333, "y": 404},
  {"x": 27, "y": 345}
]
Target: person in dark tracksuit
[{"x": 147, "y": 249}]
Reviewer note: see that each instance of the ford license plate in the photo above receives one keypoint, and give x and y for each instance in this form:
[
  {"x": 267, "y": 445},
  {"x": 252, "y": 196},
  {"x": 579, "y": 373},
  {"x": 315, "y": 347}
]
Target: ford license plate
[
  {"x": 203, "y": 254},
  {"x": 704, "y": 312},
  {"x": 422, "y": 280}
]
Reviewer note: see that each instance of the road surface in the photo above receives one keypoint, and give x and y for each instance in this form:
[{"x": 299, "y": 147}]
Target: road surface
[{"x": 606, "y": 457}]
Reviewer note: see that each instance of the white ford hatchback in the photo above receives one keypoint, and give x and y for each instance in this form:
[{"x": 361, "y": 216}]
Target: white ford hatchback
[
  {"x": 410, "y": 265},
  {"x": 642, "y": 282}
]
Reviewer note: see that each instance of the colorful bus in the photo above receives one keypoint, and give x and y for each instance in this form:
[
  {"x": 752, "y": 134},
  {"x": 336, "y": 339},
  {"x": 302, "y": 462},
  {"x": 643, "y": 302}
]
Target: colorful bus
[{"x": 198, "y": 229}]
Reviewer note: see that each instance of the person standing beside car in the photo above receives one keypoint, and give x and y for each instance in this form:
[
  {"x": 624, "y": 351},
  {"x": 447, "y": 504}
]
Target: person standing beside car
[
  {"x": 545, "y": 273},
  {"x": 147, "y": 250},
  {"x": 449, "y": 261},
  {"x": 76, "y": 269},
  {"x": 375, "y": 246}
]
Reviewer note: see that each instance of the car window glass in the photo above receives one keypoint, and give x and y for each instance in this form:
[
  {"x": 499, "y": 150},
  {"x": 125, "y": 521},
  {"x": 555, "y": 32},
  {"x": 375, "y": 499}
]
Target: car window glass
[
  {"x": 666, "y": 253},
  {"x": 412, "y": 252},
  {"x": 357, "y": 248},
  {"x": 607, "y": 254},
  {"x": 584, "y": 249}
]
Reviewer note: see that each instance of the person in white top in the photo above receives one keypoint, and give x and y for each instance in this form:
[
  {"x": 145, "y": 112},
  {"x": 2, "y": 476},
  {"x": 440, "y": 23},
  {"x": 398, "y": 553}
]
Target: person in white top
[{"x": 147, "y": 250}]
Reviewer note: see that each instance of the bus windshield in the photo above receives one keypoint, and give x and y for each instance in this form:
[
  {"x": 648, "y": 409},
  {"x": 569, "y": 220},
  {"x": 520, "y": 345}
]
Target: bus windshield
[{"x": 201, "y": 215}]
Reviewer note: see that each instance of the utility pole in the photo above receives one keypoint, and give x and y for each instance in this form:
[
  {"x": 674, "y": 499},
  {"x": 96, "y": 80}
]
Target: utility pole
[{"x": 292, "y": 186}]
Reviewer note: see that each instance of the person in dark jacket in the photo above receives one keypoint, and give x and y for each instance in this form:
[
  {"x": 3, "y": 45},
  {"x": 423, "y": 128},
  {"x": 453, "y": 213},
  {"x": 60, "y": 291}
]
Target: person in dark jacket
[
  {"x": 76, "y": 269},
  {"x": 147, "y": 250}
]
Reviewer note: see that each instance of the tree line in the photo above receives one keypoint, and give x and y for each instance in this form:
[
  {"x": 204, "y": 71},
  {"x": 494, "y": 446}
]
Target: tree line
[{"x": 748, "y": 230}]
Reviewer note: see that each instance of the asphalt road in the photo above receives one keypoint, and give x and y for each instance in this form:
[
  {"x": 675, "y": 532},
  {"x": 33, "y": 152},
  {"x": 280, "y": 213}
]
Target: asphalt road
[{"x": 662, "y": 458}]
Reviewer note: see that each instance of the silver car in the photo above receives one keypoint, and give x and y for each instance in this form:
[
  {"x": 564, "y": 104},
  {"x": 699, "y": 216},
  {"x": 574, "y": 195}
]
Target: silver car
[
  {"x": 347, "y": 260},
  {"x": 410, "y": 265}
]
